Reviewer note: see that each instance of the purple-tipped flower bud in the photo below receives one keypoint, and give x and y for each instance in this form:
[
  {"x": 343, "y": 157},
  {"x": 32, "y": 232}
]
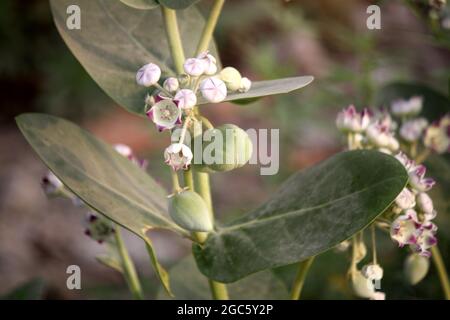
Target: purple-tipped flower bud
[
  {"x": 410, "y": 107},
  {"x": 186, "y": 99},
  {"x": 412, "y": 130},
  {"x": 194, "y": 67},
  {"x": 171, "y": 84},
  {"x": 148, "y": 75},
  {"x": 213, "y": 89}
]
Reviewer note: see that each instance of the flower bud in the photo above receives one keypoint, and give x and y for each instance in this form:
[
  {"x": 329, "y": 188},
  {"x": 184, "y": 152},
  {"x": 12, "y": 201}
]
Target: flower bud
[
  {"x": 213, "y": 89},
  {"x": 417, "y": 179},
  {"x": 194, "y": 67},
  {"x": 210, "y": 63},
  {"x": 148, "y": 75},
  {"x": 350, "y": 120},
  {"x": 231, "y": 77},
  {"x": 178, "y": 156},
  {"x": 171, "y": 84},
  {"x": 416, "y": 268},
  {"x": 189, "y": 211},
  {"x": 246, "y": 84},
  {"x": 232, "y": 150},
  {"x": 165, "y": 114},
  {"x": 186, "y": 99},
  {"x": 425, "y": 203},
  {"x": 437, "y": 136},
  {"x": 411, "y": 130}
]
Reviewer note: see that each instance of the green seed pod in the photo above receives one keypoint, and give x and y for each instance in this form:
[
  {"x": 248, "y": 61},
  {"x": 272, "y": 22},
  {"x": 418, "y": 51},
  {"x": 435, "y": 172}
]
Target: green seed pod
[
  {"x": 230, "y": 148},
  {"x": 231, "y": 77},
  {"x": 416, "y": 268},
  {"x": 189, "y": 211}
]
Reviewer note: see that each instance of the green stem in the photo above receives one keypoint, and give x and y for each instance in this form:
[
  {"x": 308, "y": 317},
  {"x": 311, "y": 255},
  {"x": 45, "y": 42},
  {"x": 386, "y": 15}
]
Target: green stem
[
  {"x": 128, "y": 267},
  {"x": 204, "y": 190},
  {"x": 173, "y": 36},
  {"x": 219, "y": 290},
  {"x": 210, "y": 25},
  {"x": 303, "y": 269},
  {"x": 440, "y": 266}
]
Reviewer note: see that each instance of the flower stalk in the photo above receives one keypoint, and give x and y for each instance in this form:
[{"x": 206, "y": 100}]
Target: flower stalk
[
  {"x": 299, "y": 281},
  {"x": 210, "y": 26}
]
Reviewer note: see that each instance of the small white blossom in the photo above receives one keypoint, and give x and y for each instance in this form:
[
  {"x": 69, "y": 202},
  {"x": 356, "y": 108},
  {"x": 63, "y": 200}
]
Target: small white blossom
[
  {"x": 194, "y": 67},
  {"x": 349, "y": 120},
  {"x": 425, "y": 240},
  {"x": 213, "y": 89},
  {"x": 186, "y": 99},
  {"x": 410, "y": 107},
  {"x": 178, "y": 156},
  {"x": 381, "y": 136},
  {"x": 246, "y": 84},
  {"x": 405, "y": 229},
  {"x": 165, "y": 114},
  {"x": 425, "y": 204},
  {"x": 148, "y": 75},
  {"x": 171, "y": 84},
  {"x": 417, "y": 179},
  {"x": 405, "y": 200},
  {"x": 51, "y": 184},
  {"x": 412, "y": 130},
  {"x": 231, "y": 77},
  {"x": 210, "y": 63},
  {"x": 98, "y": 228}
]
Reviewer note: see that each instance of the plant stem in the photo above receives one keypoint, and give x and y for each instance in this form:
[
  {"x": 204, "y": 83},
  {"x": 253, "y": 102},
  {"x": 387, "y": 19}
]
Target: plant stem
[
  {"x": 219, "y": 290},
  {"x": 128, "y": 267},
  {"x": 440, "y": 266},
  {"x": 204, "y": 190},
  {"x": 303, "y": 269},
  {"x": 210, "y": 25},
  {"x": 175, "y": 182},
  {"x": 173, "y": 36}
]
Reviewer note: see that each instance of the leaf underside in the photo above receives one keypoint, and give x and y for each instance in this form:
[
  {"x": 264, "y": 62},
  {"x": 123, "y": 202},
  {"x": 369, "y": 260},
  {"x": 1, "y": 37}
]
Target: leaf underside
[
  {"x": 178, "y": 4},
  {"x": 141, "y": 4},
  {"x": 313, "y": 211}
]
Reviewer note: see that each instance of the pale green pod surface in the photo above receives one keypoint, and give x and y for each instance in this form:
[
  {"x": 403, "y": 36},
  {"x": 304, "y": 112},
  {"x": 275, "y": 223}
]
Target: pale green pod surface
[
  {"x": 231, "y": 77},
  {"x": 416, "y": 268},
  {"x": 189, "y": 211},
  {"x": 362, "y": 287},
  {"x": 233, "y": 150}
]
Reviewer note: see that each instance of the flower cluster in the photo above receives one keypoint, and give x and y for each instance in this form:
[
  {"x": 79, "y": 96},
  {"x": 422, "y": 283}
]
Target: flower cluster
[
  {"x": 98, "y": 227},
  {"x": 171, "y": 104},
  {"x": 410, "y": 218}
]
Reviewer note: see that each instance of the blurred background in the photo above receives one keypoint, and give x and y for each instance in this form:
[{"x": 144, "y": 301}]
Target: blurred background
[{"x": 265, "y": 39}]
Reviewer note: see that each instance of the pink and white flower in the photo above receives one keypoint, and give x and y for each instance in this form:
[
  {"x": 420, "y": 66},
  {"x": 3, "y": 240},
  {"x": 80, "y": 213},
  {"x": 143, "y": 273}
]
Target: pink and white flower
[
  {"x": 425, "y": 240},
  {"x": 210, "y": 63},
  {"x": 425, "y": 204},
  {"x": 406, "y": 228},
  {"x": 381, "y": 136},
  {"x": 194, "y": 67},
  {"x": 178, "y": 156},
  {"x": 350, "y": 120},
  {"x": 165, "y": 113},
  {"x": 406, "y": 200},
  {"x": 372, "y": 272},
  {"x": 410, "y": 107},
  {"x": 417, "y": 179}
]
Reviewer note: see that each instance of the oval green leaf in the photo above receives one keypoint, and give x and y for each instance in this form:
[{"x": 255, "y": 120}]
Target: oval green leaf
[
  {"x": 178, "y": 4},
  {"x": 313, "y": 211},
  {"x": 268, "y": 88},
  {"x": 116, "y": 40},
  {"x": 141, "y": 4},
  {"x": 189, "y": 284},
  {"x": 106, "y": 181}
]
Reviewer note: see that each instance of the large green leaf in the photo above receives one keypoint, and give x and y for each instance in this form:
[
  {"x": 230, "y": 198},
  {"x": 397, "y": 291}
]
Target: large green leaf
[
  {"x": 178, "y": 4},
  {"x": 116, "y": 40},
  {"x": 103, "y": 179},
  {"x": 435, "y": 104},
  {"x": 189, "y": 284},
  {"x": 268, "y": 88},
  {"x": 315, "y": 210},
  {"x": 141, "y": 4}
]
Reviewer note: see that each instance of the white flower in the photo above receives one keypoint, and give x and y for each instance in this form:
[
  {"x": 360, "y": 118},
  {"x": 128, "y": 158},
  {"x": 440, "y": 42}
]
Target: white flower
[
  {"x": 178, "y": 156},
  {"x": 381, "y": 136},
  {"x": 148, "y": 75},
  {"x": 213, "y": 89},
  {"x": 405, "y": 161},
  {"x": 210, "y": 63},
  {"x": 372, "y": 272},
  {"x": 246, "y": 84},
  {"x": 437, "y": 136},
  {"x": 405, "y": 229},
  {"x": 417, "y": 179},
  {"x": 124, "y": 150},
  {"x": 412, "y": 130},
  {"x": 425, "y": 240},
  {"x": 349, "y": 120},
  {"x": 406, "y": 199},
  {"x": 98, "y": 228},
  {"x": 165, "y": 114},
  {"x": 186, "y": 99},
  {"x": 171, "y": 84},
  {"x": 425, "y": 204},
  {"x": 194, "y": 67},
  {"x": 411, "y": 107}
]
